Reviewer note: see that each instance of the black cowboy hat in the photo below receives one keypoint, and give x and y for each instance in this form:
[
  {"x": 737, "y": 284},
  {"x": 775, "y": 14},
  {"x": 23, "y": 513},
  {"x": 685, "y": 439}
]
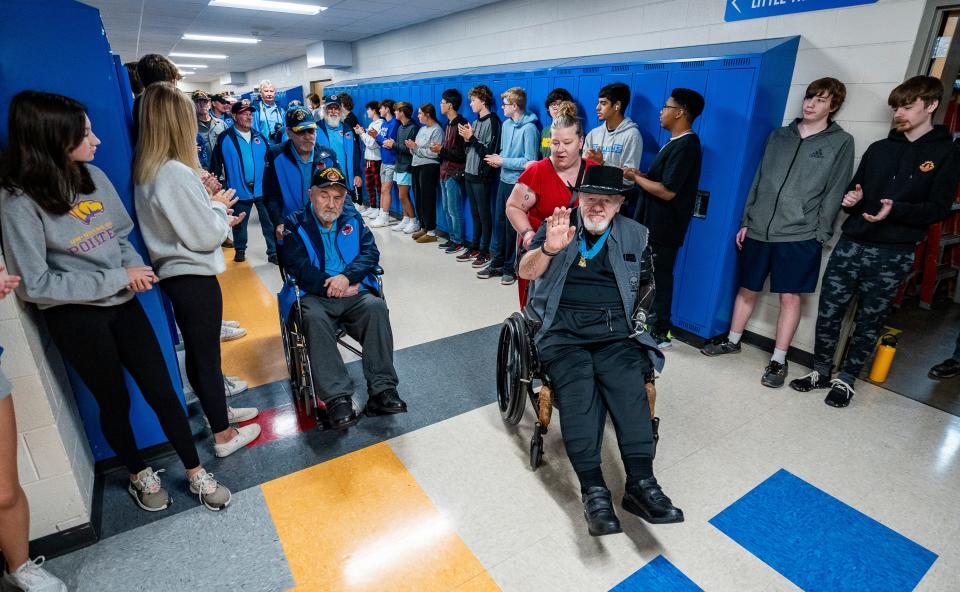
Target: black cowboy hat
[{"x": 602, "y": 180}]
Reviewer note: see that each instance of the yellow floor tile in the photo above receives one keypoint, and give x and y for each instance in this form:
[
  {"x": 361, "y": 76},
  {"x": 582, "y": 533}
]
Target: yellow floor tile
[
  {"x": 258, "y": 356},
  {"x": 361, "y": 522}
]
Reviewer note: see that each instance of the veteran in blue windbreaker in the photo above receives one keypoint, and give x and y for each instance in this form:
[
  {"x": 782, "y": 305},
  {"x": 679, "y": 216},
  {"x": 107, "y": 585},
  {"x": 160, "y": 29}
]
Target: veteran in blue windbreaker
[
  {"x": 239, "y": 160},
  {"x": 290, "y": 165},
  {"x": 333, "y": 256}
]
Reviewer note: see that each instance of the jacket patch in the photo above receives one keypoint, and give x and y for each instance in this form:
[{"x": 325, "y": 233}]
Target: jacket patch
[
  {"x": 927, "y": 166},
  {"x": 347, "y": 230},
  {"x": 818, "y": 153}
]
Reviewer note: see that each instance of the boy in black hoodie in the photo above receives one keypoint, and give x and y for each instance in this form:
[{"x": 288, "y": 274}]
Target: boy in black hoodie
[
  {"x": 453, "y": 157},
  {"x": 904, "y": 183}
]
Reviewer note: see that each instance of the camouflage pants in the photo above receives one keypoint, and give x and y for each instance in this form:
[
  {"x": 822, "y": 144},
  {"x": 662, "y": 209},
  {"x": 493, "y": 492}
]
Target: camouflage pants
[{"x": 875, "y": 273}]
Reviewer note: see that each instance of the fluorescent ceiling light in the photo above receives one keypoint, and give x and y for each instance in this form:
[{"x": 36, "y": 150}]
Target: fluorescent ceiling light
[
  {"x": 270, "y": 5},
  {"x": 208, "y": 56},
  {"x": 219, "y": 38},
  {"x": 182, "y": 73},
  {"x": 190, "y": 65}
]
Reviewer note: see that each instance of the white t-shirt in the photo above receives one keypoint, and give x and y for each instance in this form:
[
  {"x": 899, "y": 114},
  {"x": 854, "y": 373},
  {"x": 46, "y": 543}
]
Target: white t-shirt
[
  {"x": 245, "y": 135},
  {"x": 371, "y": 150}
]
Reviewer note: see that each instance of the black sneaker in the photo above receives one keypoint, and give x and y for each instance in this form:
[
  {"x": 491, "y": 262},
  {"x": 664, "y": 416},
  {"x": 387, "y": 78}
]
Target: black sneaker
[
  {"x": 840, "y": 394},
  {"x": 945, "y": 369},
  {"x": 482, "y": 260},
  {"x": 468, "y": 255},
  {"x": 508, "y": 279},
  {"x": 774, "y": 374},
  {"x": 240, "y": 256},
  {"x": 598, "y": 512},
  {"x": 454, "y": 248},
  {"x": 489, "y": 272},
  {"x": 445, "y": 244},
  {"x": 809, "y": 382},
  {"x": 647, "y": 500},
  {"x": 720, "y": 348},
  {"x": 273, "y": 259}
]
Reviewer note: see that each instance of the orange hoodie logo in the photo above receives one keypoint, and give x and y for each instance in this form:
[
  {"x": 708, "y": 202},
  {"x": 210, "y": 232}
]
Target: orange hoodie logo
[
  {"x": 87, "y": 210},
  {"x": 927, "y": 166}
]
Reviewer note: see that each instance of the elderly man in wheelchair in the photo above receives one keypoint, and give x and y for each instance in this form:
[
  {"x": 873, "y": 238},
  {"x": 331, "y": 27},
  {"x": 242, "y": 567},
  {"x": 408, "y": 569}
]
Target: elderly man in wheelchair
[
  {"x": 592, "y": 273},
  {"x": 333, "y": 260}
]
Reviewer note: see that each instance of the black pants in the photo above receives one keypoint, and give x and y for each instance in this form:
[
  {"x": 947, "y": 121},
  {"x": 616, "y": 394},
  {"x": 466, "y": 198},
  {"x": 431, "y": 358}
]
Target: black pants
[
  {"x": 198, "y": 308},
  {"x": 590, "y": 380},
  {"x": 365, "y": 318},
  {"x": 99, "y": 342},
  {"x": 426, "y": 178},
  {"x": 664, "y": 259},
  {"x": 478, "y": 192}
]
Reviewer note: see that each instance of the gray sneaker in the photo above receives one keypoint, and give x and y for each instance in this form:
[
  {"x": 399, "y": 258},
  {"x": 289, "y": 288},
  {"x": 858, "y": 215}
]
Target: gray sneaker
[
  {"x": 719, "y": 349},
  {"x": 31, "y": 577},
  {"x": 774, "y": 374},
  {"x": 213, "y": 495},
  {"x": 146, "y": 491}
]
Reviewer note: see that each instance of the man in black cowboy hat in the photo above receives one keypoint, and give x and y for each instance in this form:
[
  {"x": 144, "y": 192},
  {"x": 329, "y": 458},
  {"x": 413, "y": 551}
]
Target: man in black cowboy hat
[
  {"x": 332, "y": 255},
  {"x": 593, "y": 281}
]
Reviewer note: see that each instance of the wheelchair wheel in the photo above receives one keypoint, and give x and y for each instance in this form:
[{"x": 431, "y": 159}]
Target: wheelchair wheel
[
  {"x": 513, "y": 369},
  {"x": 289, "y": 357}
]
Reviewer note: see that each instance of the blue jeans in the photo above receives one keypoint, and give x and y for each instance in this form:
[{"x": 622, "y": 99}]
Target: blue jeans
[
  {"x": 503, "y": 245},
  {"x": 453, "y": 208},
  {"x": 240, "y": 230}
]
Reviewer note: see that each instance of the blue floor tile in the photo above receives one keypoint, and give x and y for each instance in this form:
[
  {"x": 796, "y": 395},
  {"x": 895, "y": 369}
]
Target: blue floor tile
[
  {"x": 657, "y": 576},
  {"x": 820, "y": 543}
]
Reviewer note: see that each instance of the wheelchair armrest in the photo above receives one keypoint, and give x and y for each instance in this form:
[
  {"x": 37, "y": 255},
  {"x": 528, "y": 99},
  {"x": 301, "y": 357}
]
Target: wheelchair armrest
[{"x": 377, "y": 270}]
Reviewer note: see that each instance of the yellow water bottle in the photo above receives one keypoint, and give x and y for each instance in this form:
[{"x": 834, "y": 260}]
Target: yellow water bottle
[{"x": 883, "y": 358}]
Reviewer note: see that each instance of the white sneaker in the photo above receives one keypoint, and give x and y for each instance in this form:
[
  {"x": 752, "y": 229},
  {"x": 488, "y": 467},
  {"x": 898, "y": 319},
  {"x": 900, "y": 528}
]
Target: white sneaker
[
  {"x": 213, "y": 495},
  {"x": 372, "y": 213},
  {"x": 412, "y": 227},
  {"x": 30, "y": 577},
  {"x": 361, "y": 208},
  {"x": 238, "y": 415},
  {"x": 245, "y": 435},
  {"x": 231, "y": 324},
  {"x": 382, "y": 220},
  {"x": 431, "y": 233},
  {"x": 234, "y": 385},
  {"x": 231, "y": 333},
  {"x": 403, "y": 224}
]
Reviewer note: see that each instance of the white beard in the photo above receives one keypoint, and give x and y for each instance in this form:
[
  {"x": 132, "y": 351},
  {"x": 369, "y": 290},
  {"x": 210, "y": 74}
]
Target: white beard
[
  {"x": 331, "y": 120},
  {"x": 595, "y": 227}
]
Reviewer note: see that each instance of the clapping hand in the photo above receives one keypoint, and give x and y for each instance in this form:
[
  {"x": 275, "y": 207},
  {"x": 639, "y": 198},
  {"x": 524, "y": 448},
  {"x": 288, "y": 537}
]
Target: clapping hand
[
  {"x": 372, "y": 133},
  {"x": 358, "y": 129},
  {"x": 141, "y": 278},
  {"x": 852, "y": 197},
  {"x": 7, "y": 282},
  {"x": 226, "y": 197},
  {"x": 388, "y": 143},
  {"x": 559, "y": 232},
  {"x": 234, "y": 220},
  {"x": 594, "y": 154},
  {"x": 885, "y": 206},
  {"x": 494, "y": 160},
  {"x": 465, "y": 131},
  {"x": 410, "y": 144},
  {"x": 210, "y": 183},
  {"x": 435, "y": 148}
]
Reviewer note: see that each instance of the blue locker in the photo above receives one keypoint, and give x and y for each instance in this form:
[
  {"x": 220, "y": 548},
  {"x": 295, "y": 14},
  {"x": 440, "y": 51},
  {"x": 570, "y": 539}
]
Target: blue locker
[
  {"x": 745, "y": 85},
  {"x": 88, "y": 73}
]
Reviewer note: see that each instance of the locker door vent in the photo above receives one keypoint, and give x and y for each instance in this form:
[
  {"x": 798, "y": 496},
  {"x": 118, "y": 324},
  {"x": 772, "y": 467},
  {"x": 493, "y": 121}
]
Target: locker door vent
[
  {"x": 691, "y": 65},
  {"x": 565, "y": 71},
  {"x": 653, "y": 66},
  {"x": 621, "y": 68},
  {"x": 736, "y": 62},
  {"x": 591, "y": 70}
]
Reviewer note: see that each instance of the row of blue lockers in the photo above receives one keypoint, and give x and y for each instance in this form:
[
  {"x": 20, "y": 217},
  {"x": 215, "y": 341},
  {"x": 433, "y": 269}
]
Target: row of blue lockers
[{"x": 745, "y": 87}]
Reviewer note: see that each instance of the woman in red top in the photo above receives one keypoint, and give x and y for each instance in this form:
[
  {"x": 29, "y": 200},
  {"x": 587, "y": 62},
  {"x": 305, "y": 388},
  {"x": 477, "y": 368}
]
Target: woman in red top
[{"x": 547, "y": 184}]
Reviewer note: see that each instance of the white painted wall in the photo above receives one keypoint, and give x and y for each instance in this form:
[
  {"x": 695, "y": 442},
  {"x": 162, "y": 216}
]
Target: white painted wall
[
  {"x": 53, "y": 455},
  {"x": 868, "y": 47}
]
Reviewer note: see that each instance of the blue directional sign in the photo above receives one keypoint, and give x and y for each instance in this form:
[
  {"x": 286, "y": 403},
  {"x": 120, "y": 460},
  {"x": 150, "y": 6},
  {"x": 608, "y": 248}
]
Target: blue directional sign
[{"x": 741, "y": 10}]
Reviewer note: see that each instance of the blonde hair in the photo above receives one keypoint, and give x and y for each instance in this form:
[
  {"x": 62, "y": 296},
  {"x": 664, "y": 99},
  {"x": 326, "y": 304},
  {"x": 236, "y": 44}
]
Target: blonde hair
[
  {"x": 168, "y": 131},
  {"x": 567, "y": 117},
  {"x": 516, "y": 96}
]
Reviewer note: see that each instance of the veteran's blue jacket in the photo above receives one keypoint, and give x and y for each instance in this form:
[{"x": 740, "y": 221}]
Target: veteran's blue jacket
[{"x": 227, "y": 163}]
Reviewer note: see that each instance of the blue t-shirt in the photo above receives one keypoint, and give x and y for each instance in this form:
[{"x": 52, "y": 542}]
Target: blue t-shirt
[
  {"x": 246, "y": 153},
  {"x": 273, "y": 116},
  {"x": 305, "y": 172},
  {"x": 335, "y": 136}
]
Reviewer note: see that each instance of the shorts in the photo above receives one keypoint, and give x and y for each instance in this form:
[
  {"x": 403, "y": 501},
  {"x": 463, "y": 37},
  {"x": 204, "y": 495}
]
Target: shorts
[
  {"x": 403, "y": 178},
  {"x": 793, "y": 267},
  {"x": 5, "y": 387},
  {"x": 386, "y": 173}
]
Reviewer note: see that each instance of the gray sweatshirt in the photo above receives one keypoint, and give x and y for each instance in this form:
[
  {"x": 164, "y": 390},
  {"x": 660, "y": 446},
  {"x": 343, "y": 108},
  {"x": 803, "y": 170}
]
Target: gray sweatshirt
[
  {"x": 427, "y": 135},
  {"x": 404, "y": 156},
  {"x": 620, "y": 148},
  {"x": 798, "y": 187},
  {"x": 76, "y": 258},
  {"x": 181, "y": 226}
]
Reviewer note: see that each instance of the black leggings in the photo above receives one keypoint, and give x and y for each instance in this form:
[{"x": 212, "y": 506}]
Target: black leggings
[
  {"x": 478, "y": 193},
  {"x": 426, "y": 177},
  {"x": 198, "y": 308},
  {"x": 99, "y": 342}
]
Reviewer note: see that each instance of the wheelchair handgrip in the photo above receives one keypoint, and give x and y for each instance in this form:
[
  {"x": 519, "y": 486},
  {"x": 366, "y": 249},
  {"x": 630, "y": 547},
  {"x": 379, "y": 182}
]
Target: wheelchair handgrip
[{"x": 377, "y": 270}]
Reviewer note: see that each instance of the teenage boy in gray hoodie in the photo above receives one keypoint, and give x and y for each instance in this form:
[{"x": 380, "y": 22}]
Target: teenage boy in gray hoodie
[
  {"x": 789, "y": 215},
  {"x": 616, "y": 141}
]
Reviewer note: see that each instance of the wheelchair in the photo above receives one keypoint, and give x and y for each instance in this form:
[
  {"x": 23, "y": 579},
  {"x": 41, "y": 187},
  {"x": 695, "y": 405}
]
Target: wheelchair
[
  {"x": 296, "y": 350},
  {"x": 519, "y": 370}
]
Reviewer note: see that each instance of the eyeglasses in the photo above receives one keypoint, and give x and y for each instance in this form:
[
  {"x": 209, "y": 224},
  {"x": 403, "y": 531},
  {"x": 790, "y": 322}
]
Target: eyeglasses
[
  {"x": 508, "y": 104},
  {"x": 670, "y": 107},
  {"x": 304, "y": 131},
  {"x": 604, "y": 202}
]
